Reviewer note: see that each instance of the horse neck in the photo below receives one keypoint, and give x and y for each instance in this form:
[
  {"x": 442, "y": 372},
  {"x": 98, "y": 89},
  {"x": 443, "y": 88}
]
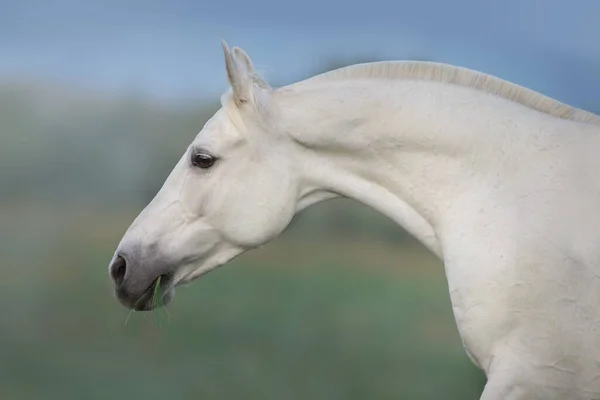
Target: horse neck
[{"x": 407, "y": 149}]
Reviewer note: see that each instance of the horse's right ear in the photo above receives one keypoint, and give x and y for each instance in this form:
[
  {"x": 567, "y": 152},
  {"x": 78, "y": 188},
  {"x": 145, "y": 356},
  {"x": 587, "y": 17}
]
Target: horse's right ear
[{"x": 240, "y": 73}]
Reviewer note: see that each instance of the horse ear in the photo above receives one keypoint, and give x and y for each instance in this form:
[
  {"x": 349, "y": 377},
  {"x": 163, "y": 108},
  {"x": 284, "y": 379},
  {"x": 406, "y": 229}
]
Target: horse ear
[
  {"x": 243, "y": 58},
  {"x": 240, "y": 73}
]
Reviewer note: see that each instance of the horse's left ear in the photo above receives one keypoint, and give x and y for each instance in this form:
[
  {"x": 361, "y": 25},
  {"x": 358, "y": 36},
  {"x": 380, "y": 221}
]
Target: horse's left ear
[
  {"x": 241, "y": 74},
  {"x": 240, "y": 56}
]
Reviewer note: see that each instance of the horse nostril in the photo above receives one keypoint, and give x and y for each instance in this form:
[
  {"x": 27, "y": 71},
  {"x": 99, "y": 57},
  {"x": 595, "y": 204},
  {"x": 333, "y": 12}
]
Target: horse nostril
[{"x": 118, "y": 269}]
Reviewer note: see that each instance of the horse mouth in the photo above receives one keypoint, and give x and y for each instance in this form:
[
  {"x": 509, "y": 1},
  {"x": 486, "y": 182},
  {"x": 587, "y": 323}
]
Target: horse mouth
[{"x": 158, "y": 294}]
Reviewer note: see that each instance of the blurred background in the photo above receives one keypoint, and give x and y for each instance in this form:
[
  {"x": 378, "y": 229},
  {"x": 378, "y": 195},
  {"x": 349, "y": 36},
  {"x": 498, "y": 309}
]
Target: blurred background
[{"x": 99, "y": 99}]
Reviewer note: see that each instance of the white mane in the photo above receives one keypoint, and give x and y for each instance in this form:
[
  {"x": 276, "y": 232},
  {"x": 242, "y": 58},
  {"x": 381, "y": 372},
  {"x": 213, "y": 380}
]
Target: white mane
[{"x": 444, "y": 73}]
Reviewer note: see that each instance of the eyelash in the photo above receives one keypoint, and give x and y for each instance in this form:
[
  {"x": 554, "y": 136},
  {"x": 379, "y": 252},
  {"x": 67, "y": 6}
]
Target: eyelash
[{"x": 203, "y": 159}]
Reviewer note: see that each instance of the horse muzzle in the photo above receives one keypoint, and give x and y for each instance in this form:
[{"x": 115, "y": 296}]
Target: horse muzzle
[{"x": 138, "y": 288}]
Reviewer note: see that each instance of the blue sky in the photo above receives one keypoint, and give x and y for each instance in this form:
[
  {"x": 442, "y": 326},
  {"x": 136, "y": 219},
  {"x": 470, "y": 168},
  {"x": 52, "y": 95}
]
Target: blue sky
[{"x": 172, "y": 49}]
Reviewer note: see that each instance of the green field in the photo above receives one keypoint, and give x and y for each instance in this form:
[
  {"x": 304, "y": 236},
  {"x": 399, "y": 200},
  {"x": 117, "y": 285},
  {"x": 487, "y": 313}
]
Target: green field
[
  {"x": 343, "y": 306},
  {"x": 293, "y": 320}
]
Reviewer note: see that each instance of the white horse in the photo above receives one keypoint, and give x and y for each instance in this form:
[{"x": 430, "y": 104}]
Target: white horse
[{"x": 500, "y": 182}]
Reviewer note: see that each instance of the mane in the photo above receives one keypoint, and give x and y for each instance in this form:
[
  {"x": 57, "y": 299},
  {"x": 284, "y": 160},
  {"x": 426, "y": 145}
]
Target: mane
[{"x": 444, "y": 73}]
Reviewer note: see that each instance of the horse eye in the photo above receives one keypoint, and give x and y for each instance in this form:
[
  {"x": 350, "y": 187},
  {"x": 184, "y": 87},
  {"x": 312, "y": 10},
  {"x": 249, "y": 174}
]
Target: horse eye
[{"x": 202, "y": 160}]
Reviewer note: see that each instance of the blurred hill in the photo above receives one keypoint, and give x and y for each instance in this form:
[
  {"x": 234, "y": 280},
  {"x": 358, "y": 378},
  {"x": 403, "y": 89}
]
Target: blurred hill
[{"x": 61, "y": 142}]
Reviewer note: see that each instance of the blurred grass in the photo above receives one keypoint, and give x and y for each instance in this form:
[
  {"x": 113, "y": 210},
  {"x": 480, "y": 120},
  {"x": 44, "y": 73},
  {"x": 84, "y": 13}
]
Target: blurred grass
[
  {"x": 344, "y": 305},
  {"x": 293, "y": 320}
]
